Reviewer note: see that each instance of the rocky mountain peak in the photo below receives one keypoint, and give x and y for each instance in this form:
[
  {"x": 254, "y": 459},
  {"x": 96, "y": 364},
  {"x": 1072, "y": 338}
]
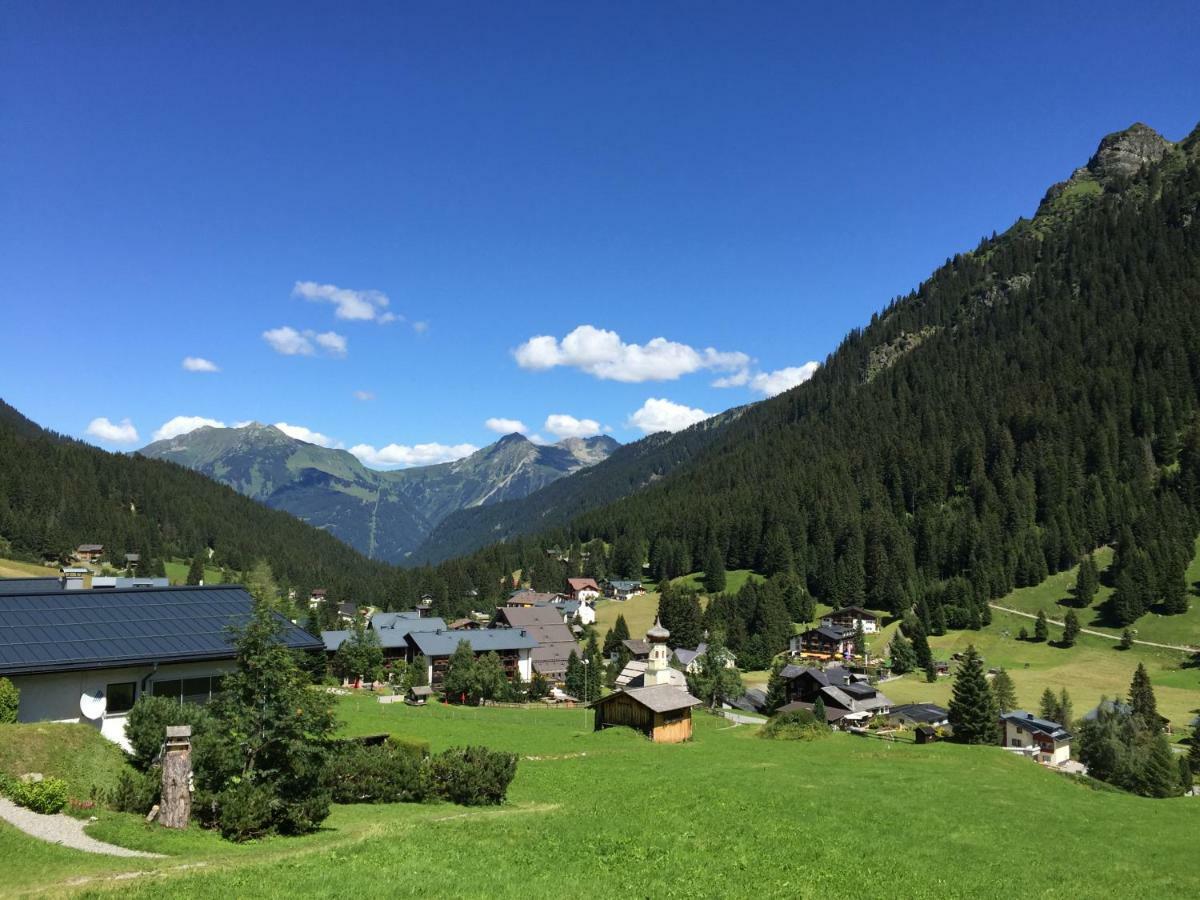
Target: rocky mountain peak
[{"x": 1123, "y": 153}]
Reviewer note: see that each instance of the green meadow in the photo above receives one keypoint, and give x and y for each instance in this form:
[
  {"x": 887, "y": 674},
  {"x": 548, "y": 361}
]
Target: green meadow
[{"x": 727, "y": 815}]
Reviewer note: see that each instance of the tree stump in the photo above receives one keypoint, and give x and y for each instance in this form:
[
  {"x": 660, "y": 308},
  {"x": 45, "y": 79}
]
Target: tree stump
[{"x": 177, "y": 777}]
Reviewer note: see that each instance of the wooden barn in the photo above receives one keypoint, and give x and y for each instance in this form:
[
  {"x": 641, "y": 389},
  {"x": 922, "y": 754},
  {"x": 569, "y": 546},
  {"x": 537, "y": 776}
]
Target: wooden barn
[{"x": 662, "y": 712}]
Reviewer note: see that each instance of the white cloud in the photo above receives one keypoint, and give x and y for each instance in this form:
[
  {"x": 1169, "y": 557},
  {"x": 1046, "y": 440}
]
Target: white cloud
[
  {"x": 300, "y": 433},
  {"x": 505, "y": 426},
  {"x": 402, "y": 455},
  {"x": 420, "y": 327},
  {"x": 290, "y": 342},
  {"x": 564, "y": 426},
  {"x": 603, "y": 354},
  {"x": 200, "y": 364},
  {"x": 182, "y": 425},
  {"x": 360, "y": 306},
  {"x": 660, "y": 414},
  {"x": 769, "y": 383},
  {"x": 364, "y": 395},
  {"x": 121, "y": 432}
]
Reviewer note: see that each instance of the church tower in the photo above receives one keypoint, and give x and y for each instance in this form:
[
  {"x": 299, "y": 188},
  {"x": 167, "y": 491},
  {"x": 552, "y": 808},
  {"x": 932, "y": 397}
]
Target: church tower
[{"x": 658, "y": 670}]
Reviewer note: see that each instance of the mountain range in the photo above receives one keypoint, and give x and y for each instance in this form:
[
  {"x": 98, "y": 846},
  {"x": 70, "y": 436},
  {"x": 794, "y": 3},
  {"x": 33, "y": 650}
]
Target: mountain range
[{"x": 386, "y": 515}]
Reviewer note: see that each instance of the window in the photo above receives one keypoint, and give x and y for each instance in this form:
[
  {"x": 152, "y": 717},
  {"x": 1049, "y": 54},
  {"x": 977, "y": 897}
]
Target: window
[
  {"x": 189, "y": 690},
  {"x": 121, "y": 696}
]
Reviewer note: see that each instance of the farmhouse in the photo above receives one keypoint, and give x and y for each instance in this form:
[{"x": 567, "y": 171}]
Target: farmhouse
[
  {"x": 582, "y": 588},
  {"x": 636, "y": 648},
  {"x": 513, "y": 645},
  {"x": 1046, "y": 741},
  {"x": 89, "y": 552},
  {"x": 623, "y": 590},
  {"x": 570, "y": 610},
  {"x": 824, "y": 642},
  {"x": 850, "y": 617},
  {"x": 554, "y": 639},
  {"x": 88, "y": 655},
  {"x": 526, "y": 597}
]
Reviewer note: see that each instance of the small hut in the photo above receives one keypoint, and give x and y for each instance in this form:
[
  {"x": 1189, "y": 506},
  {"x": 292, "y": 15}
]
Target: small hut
[
  {"x": 418, "y": 695},
  {"x": 662, "y": 712}
]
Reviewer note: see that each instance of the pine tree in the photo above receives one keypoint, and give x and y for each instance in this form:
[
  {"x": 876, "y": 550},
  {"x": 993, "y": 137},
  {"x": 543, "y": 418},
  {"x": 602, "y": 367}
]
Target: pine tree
[
  {"x": 1193, "y": 755},
  {"x": 1087, "y": 581},
  {"x": 860, "y": 641},
  {"x": 920, "y": 643},
  {"x": 819, "y": 711},
  {"x": 1126, "y": 641},
  {"x": 904, "y": 658},
  {"x": 973, "y": 714},
  {"x": 1004, "y": 691},
  {"x": 618, "y": 633},
  {"x": 1142, "y": 702},
  {"x": 1070, "y": 628},
  {"x": 1064, "y": 711},
  {"x": 575, "y": 681},
  {"x": 458, "y": 681},
  {"x": 195, "y": 573},
  {"x": 777, "y": 553},
  {"x": 1041, "y": 629},
  {"x": 714, "y": 570},
  {"x": 1159, "y": 773},
  {"x": 1048, "y": 707},
  {"x": 777, "y": 690},
  {"x": 593, "y": 670},
  {"x": 420, "y": 670}
]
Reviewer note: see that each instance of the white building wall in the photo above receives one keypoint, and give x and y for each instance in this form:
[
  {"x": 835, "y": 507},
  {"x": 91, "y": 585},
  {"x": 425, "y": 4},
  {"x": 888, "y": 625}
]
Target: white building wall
[{"x": 55, "y": 697}]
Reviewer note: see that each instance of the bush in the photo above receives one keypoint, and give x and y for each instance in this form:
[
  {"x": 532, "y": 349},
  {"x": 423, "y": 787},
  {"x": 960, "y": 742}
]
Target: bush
[
  {"x": 414, "y": 747},
  {"x": 146, "y": 725},
  {"x": 244, "y": 811},
  {"x": 379, "y": 774},
  {"x": 800, "y": 725},
  {"x": 471, "y": 776},
  {"x": 46, "y": 796},
  {"x": 135, "y": 792},
  {"x": 10, "y": 702}
]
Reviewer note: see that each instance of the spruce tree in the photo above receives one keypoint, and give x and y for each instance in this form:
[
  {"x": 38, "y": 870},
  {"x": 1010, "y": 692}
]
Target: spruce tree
[
  {"x": 195, "y": 573},
  {"x": 1087, "y": 581},
  {"x": 860, "y": 641},
  {"x": 1142, "y": 702},
  {"x": 1126, "y": 641},
  {"x": 777, "y": 689},
  {"x": 1064, "y": 712},
  {"x": 904, "y": 658},
  {"x": 593, "y": 671},
  {"x": 1193, "y": 755},
  {"x": 1041, "y": 629},
  {"x": 1159, "y": 773},
  {"x": 819, "y": 711},
  {"x": 1004, "y": 691},
  {"x": 973, "y": 713},
  {"x": 1070, "y": 628},
  {"x": 714, "y": 570},
  {"x": 575, "y": 682},
  {"x": 1048, "y": 707}
]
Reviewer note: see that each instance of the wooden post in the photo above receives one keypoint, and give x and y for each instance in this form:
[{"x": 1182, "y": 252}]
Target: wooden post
[{"x": 177, "y": 777}]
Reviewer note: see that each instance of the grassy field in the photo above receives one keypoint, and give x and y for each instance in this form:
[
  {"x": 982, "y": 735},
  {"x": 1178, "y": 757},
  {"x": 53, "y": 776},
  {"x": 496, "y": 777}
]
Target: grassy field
[
  {"x": 177, "y": 571},
  {"x": 728, "y": 815},
  {"x": 1054, "y": 595},
  {"x": 734, "y": 580},
  {"x": 639, "y": 611},
  {"x": 13, "y": 568},
  {"x": 75, "y": 753}
]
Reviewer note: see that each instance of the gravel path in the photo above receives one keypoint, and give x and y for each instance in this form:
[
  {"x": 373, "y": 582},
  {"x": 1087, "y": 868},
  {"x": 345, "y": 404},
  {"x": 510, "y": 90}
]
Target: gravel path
[
  {"x": 1112, "y": 637},
  {"x": 62, "y": 829}
]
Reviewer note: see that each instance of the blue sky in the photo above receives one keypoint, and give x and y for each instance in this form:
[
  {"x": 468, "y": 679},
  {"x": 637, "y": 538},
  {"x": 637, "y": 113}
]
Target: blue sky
[{"x": 745, "y": 182}]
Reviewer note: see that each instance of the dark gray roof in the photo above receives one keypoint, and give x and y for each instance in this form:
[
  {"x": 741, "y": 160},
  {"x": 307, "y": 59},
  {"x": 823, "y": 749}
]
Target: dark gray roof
[
  {"x": 30, "y": 585},
  {"x": 656, "y": 697},
  {"x": 394, "y": 627},
  {"x": 857, "y": 611},
  {"x": 618, "y": 585},
  {"x": 73, "y": 630},
  {"x": 334, "y": 639},
  {"x": 443, "y": 643},
  {"x": 921, "y": 712},
  {"x": 1031, "y": 722}
]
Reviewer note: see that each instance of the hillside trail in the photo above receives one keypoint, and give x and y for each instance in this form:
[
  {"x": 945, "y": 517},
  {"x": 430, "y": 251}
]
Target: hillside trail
[
  {"x": 63, "y": 830},
  {"x": 1183, "y": 648}
]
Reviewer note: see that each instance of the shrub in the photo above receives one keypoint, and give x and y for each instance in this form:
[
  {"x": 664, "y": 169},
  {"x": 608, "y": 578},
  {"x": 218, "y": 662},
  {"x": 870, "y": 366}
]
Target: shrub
[
  {"x": 135, "y": 792},
  {"x": 244, "y": 811},
  {"x": 10, "y": 701},
  {"x": 799, "y": 725},
  {"x": 46, "y": 796},
  {"x": 471, "y": 776},
  {"x": 146, "y": 725},
  {"x": 414, "y": 747},
  {"x": 379, "y": 774}
]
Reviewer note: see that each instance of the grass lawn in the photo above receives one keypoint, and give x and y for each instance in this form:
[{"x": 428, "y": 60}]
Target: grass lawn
[
  {"x": 1093, "y": 667},
  {"x": 728, "y": 815},
  {"x": 1054, "y": 596},
  {"x": 75, "y": 753},
  {"x": 14, "y": 568},
  {"x": 734, "y": 580},
  {"x": 177, "y": 571}
]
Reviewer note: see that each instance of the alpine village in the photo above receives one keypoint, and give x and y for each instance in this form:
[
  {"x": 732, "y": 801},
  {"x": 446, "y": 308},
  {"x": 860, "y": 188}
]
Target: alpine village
[{"x": 921, "y": 619}]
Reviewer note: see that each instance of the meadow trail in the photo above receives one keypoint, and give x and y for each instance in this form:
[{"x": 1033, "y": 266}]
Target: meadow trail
[{"x": 1112, "y": 637}]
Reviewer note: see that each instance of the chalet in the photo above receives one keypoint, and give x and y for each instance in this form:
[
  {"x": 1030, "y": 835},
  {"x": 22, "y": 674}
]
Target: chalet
[
  {"x": 850, "y": 617},
  {"x": 1045, "y": 741},
  {"x": 622, "y": 590},
  {"x": 637, "y": 649},
  {"x": 855, "y": 703},
  {"x": 806, "y": 683},
  {"x": 915, "y": 714},
  {"x": 89, "y": 553},
  {"x": 661, "y": 712},
  {"x": 824, "y": 642},
  {"x": 132, "y": 560},
  {"x": 513, "y": 645},
  {"x": 465, "y": 625},
  {"x": 582, "y": 588},
  {"x": 546, "y": 626},
  {"x": 690, "y": 659},
  {"x": 526, "y": 597},
  {"x": 580, "y": 612},
  {"x": 88, "y": 655}
]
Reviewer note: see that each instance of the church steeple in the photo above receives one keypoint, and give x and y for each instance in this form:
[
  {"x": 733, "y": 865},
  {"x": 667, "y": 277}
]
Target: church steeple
[{"x": 657, "y": 666}]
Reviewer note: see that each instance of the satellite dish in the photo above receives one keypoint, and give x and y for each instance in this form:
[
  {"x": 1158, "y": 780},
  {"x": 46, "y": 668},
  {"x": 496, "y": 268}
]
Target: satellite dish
[{"x": 93, "y": 705}]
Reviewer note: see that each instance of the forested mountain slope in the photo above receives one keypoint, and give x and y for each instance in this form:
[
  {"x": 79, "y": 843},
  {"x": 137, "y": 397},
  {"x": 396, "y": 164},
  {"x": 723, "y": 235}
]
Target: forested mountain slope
[
  {"x": 383, "y": 514},
  {"x": 1033, "y": 399},
  {"x": 56, "y": 493}
]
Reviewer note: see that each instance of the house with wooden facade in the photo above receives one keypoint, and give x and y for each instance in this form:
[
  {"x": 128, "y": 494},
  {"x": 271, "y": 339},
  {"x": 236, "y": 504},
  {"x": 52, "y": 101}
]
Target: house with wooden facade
[
  {"x": 662, "y": 712},
  {"x": 824, "y": 642},
  {"x": 582, "y": 588},
  {"x": 850, "y": 617}
]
